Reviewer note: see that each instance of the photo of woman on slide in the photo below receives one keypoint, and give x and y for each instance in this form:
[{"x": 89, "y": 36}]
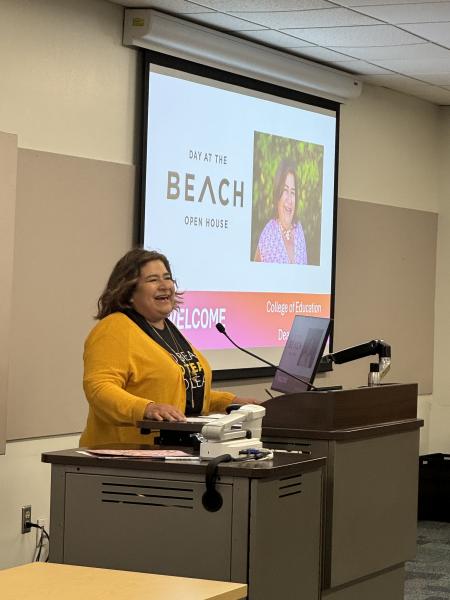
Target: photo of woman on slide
[
  {"x": 286, "y": 200},
  {"x": 282, "y": 240}
]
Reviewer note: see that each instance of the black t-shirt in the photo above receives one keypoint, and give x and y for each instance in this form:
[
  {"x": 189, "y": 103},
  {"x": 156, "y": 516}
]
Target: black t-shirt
[{"x": 172, "y": 340}]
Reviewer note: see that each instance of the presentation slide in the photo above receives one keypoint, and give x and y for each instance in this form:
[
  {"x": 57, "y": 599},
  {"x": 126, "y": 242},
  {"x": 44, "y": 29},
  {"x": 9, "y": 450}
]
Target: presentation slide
[{"x": 239, "y": 195}]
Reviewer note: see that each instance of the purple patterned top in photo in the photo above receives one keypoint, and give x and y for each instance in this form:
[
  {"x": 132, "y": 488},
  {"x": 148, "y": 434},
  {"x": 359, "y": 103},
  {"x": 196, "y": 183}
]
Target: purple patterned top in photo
[{"x": 271, "y": 244}]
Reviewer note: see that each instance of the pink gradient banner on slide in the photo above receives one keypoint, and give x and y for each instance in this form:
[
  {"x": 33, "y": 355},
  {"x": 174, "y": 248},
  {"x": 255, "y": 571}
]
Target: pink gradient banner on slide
[{"x": 252, "y": 319}]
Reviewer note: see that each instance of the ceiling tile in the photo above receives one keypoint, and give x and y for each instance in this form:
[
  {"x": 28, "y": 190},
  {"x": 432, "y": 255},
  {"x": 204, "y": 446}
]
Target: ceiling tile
[
  {"x": 173, "y": 6},
  {"x": 412, "y": 67},
  {"x": 410, "y": 86},
  {"x": 441, "y": 79},
  {"x": 357, "y": 67},
  {"x": 406, "y": 51},
  {"x": 318, "y": 53},
  {"x": 216, "y": 19},
  {"x": 395, "y": 80},
  {"x": 356, "y": 3},
  {"x": 410, "y": 13},
  {"x": 264, "y": 5},
  {"x": 274, "y": 38},
  {"x": 433, "y": 32},
  {"x": 369, "y": 35},
  {"x": 336, "y": 60},
  {"x": 332, "y": 17}
]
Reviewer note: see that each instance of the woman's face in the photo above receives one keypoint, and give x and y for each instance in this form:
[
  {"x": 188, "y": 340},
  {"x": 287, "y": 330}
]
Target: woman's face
[
  {"x": 286, "y": 203},
  {"x": 154, "y": 296}
]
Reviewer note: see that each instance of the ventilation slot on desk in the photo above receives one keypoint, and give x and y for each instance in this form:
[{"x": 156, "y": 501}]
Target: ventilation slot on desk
[
  {"x": 290, "y": 486},
  {"x": 148, "y": 495}
]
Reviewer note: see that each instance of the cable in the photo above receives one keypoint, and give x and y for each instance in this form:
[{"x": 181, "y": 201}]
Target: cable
[
  {"x": 40, "y": 544},
  {"x": 37, "y": 554},
  {"x": 212, "y": 499}
]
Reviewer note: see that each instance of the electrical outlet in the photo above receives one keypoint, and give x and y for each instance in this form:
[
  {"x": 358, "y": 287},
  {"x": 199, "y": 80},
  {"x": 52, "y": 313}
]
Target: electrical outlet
[{"x": 26, "y": 518}]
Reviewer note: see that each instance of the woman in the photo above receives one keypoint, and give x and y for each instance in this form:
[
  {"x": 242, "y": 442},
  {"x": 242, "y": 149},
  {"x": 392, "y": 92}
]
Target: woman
[
  {"x": 282, "y": 240},
  {"x": 137, "y": 364}
]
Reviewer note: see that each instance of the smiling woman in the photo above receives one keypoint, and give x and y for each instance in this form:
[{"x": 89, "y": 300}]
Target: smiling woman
[
  {"x": 154, "y": 295},
  {"x": 137, "y": 364},
  {"x": 282, "y": 240}
]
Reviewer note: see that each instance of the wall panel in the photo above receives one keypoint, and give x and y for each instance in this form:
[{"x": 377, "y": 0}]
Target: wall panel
[
  {"x": 74, "y": 218},
  {"x": 8, "y": 169},
  {"x": 385, "y": 282}
]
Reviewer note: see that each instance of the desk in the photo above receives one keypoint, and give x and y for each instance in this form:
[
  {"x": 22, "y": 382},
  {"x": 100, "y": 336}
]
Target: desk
[
  {"x": 144, "y": 515},
  {"x": 46, "y": 581}
]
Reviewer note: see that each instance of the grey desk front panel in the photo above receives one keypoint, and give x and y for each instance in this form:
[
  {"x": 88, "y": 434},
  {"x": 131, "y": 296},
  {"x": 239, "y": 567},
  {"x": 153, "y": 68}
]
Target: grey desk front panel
[
  {"x": 370, "y": 508},
  {"x": 266, "y": 534},
  {"x": 375, "y": 492},
  {"x": 146, "y": 524},
  {"x": 286, "y": 525}
]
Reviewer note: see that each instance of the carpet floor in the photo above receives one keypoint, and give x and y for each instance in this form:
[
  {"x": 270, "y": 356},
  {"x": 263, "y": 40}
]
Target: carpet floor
[{"x": 428, "y": 576}]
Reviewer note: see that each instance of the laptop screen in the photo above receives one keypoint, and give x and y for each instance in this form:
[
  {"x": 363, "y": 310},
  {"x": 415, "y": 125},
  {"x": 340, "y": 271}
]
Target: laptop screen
[{"x": 302, "y": 353}]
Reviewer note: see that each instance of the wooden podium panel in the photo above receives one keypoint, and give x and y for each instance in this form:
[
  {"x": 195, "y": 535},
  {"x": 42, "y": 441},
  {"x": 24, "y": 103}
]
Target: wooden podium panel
[{"x": 342, "y": 409}]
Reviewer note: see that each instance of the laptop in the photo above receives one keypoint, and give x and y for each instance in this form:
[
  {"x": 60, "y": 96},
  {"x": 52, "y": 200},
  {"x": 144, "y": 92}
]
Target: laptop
[{"x": 302, "y": 353}]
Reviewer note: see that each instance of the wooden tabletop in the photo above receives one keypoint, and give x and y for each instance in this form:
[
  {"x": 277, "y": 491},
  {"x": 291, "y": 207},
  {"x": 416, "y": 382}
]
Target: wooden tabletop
[{"x": 49, "y": 581}]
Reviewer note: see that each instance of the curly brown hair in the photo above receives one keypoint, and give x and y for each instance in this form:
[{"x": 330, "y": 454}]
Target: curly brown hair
[
  {"x": 285, "y": 167},
  {"x": 123, "y": 280}
]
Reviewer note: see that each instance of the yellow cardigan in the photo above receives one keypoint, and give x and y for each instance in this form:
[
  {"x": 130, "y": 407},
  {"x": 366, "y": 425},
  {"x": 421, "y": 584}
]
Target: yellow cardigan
[{"x": 124, "y": 370}]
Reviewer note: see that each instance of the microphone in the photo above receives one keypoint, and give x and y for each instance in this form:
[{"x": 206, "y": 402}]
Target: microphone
[{"x": 221, "y": 329}]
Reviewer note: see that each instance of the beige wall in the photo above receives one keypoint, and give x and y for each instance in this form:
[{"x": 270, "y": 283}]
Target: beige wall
[
  {"x": 394, "y": 150},
  {"x": 392, "y": 156},
  {"x": 68, "y": 87},
  {"x": 67, "y": 83},
  {"x": 24, "y": 479},
  {"x": 440, "y": 407}
]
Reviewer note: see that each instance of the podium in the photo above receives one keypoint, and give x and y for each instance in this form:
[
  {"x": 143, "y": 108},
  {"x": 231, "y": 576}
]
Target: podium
[{"x": 370, "y": 438}]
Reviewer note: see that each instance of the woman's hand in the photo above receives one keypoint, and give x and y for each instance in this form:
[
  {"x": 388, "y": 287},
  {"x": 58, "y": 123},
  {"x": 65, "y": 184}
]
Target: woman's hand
[
  {"x": 163, "y": 412},
  {"x": 239, "y": 400}
]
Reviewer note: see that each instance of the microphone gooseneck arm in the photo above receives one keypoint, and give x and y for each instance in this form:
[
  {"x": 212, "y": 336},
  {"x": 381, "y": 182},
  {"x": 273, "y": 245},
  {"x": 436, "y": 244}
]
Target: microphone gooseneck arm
[{"x": 221, "y": 329}]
